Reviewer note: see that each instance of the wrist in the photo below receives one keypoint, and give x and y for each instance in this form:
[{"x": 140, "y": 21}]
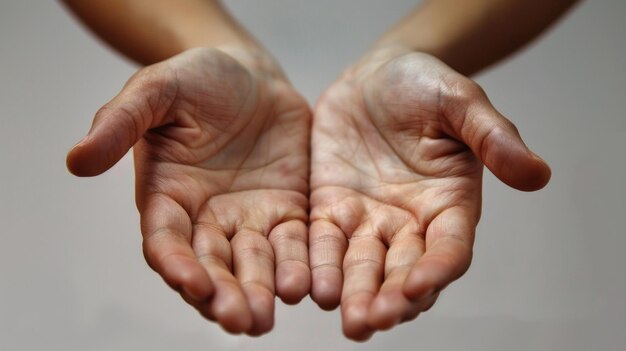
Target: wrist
[
  {"x": 377, "y": 56},
  {"x": 254, "y": 58},
  {"x": 211, "y": 26}
]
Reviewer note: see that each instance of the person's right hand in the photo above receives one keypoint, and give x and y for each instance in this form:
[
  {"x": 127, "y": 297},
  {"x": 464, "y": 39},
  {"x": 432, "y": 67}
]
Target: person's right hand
[{"x": 221, "y": 158}]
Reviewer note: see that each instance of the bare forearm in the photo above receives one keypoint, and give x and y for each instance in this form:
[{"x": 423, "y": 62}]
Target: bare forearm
[
  {"x": 470, "y": 35},
  {"x": 149, "y": 31}
]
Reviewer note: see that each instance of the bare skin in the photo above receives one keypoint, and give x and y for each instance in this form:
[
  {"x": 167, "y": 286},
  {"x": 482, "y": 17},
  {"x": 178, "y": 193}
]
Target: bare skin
[
  {"x": 398, "y": 145},
  {"x": 398, "y": 148},
  {"x": 221, "y": 156}
]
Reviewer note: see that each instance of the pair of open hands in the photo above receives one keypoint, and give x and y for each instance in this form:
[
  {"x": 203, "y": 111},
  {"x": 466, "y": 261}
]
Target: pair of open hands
[{"x": 233, "y": 216}]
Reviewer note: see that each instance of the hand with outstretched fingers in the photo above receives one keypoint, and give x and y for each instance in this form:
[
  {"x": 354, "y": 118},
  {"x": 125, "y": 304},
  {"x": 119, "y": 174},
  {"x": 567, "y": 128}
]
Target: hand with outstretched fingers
[
  {"x": 221, "y": 161},
  {"x": 398, "y": 148}
]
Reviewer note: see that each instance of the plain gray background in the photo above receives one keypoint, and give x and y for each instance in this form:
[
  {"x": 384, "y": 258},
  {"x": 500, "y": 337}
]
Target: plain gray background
[{"x": 549, "y": 269}]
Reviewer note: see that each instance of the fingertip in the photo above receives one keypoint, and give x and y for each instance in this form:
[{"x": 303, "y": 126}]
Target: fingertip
[
  {"x": 83, "y": 161},
  {"x": 354, "y": 319},
  {"x": 232, "y": 314},
  {"x": 293, "y": 272},
  {"x": 427, "y": 303},
  {"x": 360, "y": 337},
  {"x": 387, "y": 310},
  {"x": 326, "y": 302},
  {"x": 419, "y": 306},
  {"x": 326, "y": 305},
  {"x": 235, "y": 326},
  {"x": 506, "y": 155},
  {"x": 530, "y": 173},
  {"x": 74, "y": 159},
  {"x": 261, "y": 302},
  {"x": 327, "y": 247},
  {"x": 417, "y": 285},
  {"x": 292, "y": 283},
  {"x": 189, "y": 277},
  {"x": 71, "y": 164},
  {"x": 540, "y": 175},
  {"x": 326, "y": 292},
  {"x": 198, "y": 289}
]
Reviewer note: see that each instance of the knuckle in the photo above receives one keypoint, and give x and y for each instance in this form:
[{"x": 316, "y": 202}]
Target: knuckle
[
  {"x": 288, "y": 232},
  {"x": 327, "y": 241}
]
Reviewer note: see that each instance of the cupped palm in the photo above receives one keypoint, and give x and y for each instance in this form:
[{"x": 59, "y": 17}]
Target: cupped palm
[
  {"x": 396, "y": 186},
  {"x": 221, "y": 158}
]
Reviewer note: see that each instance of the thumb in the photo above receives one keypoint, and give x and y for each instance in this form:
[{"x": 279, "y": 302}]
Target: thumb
[
  {"x": 118, "y": 125},
  {"x": 494, "y": 139}
]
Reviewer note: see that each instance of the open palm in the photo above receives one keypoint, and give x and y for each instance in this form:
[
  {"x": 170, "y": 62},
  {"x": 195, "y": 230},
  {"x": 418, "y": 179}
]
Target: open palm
[
  {"x": 221, "y": 158},
  {"x": 396, "y": 181}
]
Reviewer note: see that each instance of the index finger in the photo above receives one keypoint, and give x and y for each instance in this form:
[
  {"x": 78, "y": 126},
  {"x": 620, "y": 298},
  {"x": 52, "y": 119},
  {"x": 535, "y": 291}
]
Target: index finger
[
  {"x": 449, "y": 241},
  {"x": 167, "y": 230}
]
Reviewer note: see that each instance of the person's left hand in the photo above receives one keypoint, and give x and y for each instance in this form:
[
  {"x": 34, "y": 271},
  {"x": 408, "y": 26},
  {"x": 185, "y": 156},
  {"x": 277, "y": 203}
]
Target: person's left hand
[{"x": 397, "y": 145}]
